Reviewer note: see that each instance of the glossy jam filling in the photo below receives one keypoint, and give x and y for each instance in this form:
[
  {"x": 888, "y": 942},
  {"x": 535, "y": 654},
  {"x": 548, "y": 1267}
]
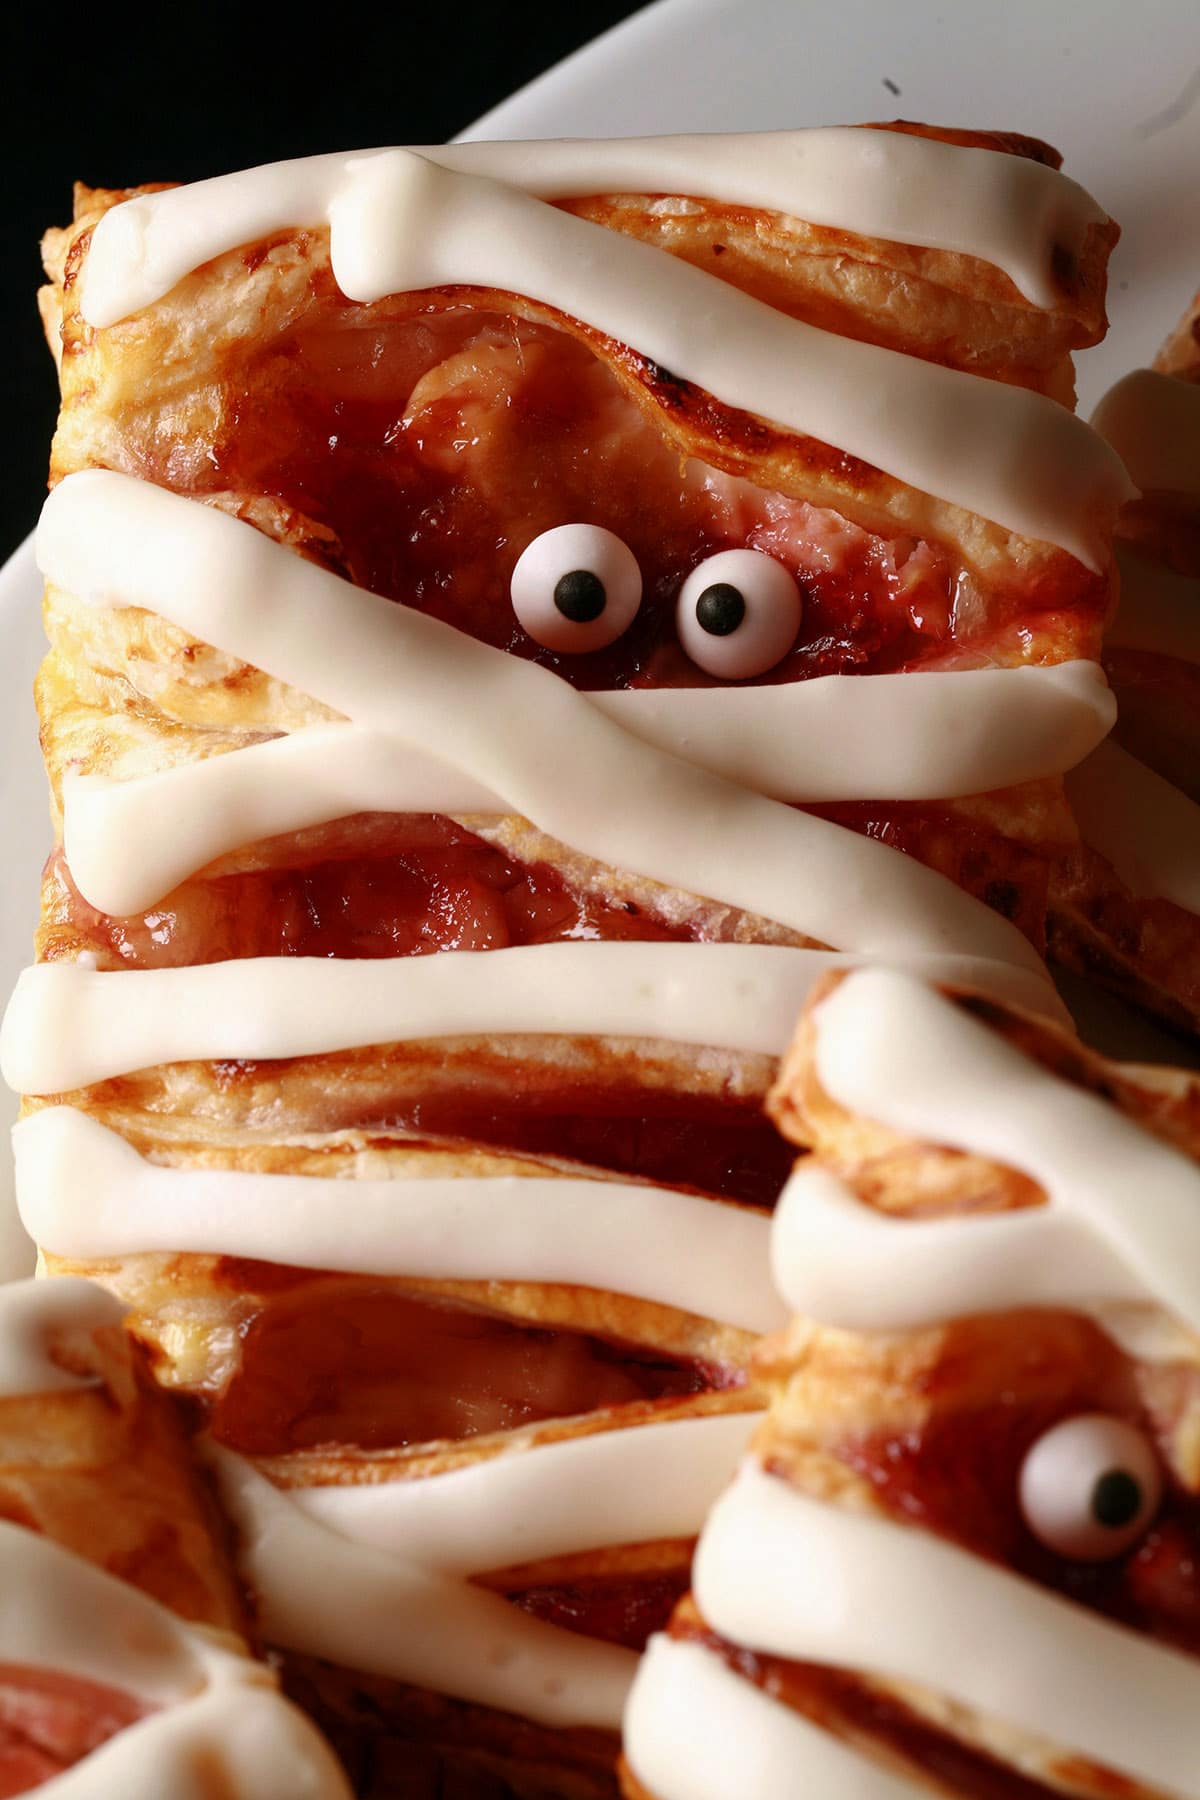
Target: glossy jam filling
[
  {"x": 51, "y": 1721},
  {"x": 403, "y": 884},
  {"x": 843, "y": 1705},
  {"x": 711, "y": 1144},
  {"x": 436, "y": 446},
  {"x": 959, "y": 1474},
  {"x": 619, "y": 1608},
  {"x": 338, "y": 1364}
]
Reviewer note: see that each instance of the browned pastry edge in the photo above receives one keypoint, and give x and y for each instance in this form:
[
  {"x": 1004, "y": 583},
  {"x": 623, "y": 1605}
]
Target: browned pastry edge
[
  {"x": 1161, "y": 1100},
  {"x": 107, "y": 1471}
]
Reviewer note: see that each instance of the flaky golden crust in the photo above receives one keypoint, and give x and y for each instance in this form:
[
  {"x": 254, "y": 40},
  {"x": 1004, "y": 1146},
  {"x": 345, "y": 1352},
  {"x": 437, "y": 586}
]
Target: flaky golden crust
[{"x": 106, "y": 1471}]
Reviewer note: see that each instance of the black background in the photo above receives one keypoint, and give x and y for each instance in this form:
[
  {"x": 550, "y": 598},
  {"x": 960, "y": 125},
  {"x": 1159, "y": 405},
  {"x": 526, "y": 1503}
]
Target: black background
[{"x": 115, "y": 95}]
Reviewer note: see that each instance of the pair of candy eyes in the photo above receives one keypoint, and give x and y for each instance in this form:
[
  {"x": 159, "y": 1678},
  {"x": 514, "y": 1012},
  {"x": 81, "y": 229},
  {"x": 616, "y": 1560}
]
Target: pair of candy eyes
[
  {"x": 1089, "y": 1487},
  {"x": 578, "y": 588}
]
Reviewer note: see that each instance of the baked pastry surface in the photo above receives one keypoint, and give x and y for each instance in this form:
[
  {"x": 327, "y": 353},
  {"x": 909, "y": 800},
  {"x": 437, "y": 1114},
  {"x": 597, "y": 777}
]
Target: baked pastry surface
[{"x": 427, "y": 975}]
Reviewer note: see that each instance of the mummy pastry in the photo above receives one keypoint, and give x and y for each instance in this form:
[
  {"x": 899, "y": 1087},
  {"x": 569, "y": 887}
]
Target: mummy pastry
[
  {"x": 1124, "y": 904},
  {"x": 490, "y": 591},
  {"x": 961, "y": 1556},
  {"x": 123, "y": 1671}
]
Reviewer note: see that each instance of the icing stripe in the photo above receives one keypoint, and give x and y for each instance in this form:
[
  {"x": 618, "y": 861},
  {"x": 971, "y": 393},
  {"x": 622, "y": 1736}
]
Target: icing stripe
[
  {"x": 364, "y": 1609},
  {"x": 638, "y": 1485},
  {"x": 221, "y": 1724},
  {"x": 894, "y": 1051},
  {"x": 1006, "y": 210},
  {"x": 696, "y": 1731},
  {"x": 492, "y": 717},
  {"x": 1152, "y": 421},
  {"x": 400, "y": 223},
  {"x": 68, "y": 1026},
  {"x": 843, "y": 1263},
  {"x": 33, "y": 1312},
  {"x": 187, "y": 816},
  {"x": 1159, "y": 610},
  {"x": 837, "y": 737},
  {"x": 1146, "y": 828},
  {"x": 84, "y": 1193},
  {"x": 782, "y": 1572}
]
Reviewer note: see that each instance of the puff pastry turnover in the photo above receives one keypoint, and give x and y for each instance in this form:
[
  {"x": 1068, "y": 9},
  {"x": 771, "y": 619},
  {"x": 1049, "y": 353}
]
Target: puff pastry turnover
[
  {"x": 960, "y": 1558},
  {"x": 519, "y": 615}
]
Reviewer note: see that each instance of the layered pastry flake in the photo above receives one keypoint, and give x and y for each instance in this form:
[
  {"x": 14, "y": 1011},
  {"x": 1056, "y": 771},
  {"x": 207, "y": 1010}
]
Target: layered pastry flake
[{"x": 124, "y": 1671}]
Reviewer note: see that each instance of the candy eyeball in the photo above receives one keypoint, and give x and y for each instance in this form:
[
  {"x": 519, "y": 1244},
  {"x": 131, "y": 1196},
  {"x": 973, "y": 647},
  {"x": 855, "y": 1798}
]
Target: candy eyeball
[
  {"x": 1090, "y": 1487},
  {"x": 738, "y": 614},
  {"x": 576, "y": 588}
]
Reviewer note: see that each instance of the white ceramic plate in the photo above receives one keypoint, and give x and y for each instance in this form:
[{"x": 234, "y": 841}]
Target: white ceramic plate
[{"x": 1115, "y": 87}]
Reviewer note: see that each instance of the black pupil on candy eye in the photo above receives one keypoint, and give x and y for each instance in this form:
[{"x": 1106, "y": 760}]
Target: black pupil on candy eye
[
  {"x": 720, "y": 609},
  {"x": 579, "y": 596},
  {"x": 1116, "y": 1499}
]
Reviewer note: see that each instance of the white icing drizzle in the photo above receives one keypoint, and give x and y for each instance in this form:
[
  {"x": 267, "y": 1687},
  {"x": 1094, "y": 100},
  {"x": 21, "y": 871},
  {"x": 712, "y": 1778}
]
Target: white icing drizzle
[
  {"x": 220, "y": 1731},
  {"x": 84, "y": 1193},
  {"x": 1006, "y": 210},
  {"x": 32, "y": 1315},
  {"x": 1152, "y": 421},
  {"x": 912, "y": 736},
  {"x": 797, "y": 1577},
  {"x": 845, "y": 1264},
  {"x": 386, "y": 1588},
  {"x": 202, "y": 810},
  {"x": 68, "y": 1026},
  {"x": 636, "y": 1485},
  {"x": 366, "y": 1609},
  {"x": 892, "y": 1050},
  {"x": 1146, "y": 828},
  {"x": 492, "y": 716},
  {"x": 695, "y": 1730}
]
